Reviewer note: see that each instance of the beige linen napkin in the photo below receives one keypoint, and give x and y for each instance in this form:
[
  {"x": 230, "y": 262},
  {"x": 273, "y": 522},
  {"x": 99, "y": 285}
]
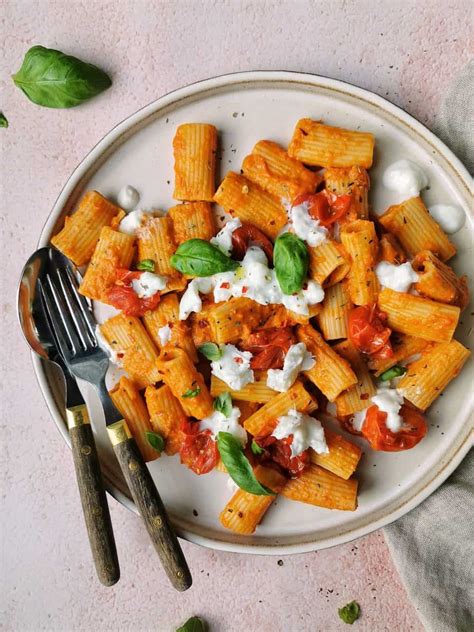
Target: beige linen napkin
[{"x": 433, "y": 545}]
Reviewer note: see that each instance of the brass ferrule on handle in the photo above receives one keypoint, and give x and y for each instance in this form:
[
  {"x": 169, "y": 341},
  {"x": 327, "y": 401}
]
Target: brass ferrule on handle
[
  {"x": 119, "y": 432},
  {"x": 77, "y": 416}
]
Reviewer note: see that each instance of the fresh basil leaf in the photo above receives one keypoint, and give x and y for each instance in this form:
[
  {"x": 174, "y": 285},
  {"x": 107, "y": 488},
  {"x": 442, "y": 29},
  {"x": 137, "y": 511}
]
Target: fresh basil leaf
[
  {"x": 290, "y": 260},
  {"x": 223, "y": 403},
  {"x": 238, "y": 465},
  {"x": 194, "y": 624},
  {"x": 155, "y": 440},
  {"x": 394, "y": 371},
  {"x": 192, "y": 392},
  {"x": 146, "y": 264},
  {"x": 3, "y": 120},
  {"x": 350, "y": 612},
  {"x": 52, "y": 79},
  {"x": 197, "y": 257},
  {"x": 256, "y": 449},
  {"x": 211, "y": 351}
]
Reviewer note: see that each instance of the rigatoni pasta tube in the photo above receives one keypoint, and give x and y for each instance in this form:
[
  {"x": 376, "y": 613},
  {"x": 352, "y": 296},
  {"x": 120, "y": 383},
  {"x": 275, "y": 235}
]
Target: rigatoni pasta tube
[
  {"x": 417, "y": 316},
  {"x": 130, "y": 403},
  {"x": 403, "y": 347},
  {"x": 156, "y": 242},
  {"x": 256, "y": 391},
  {"x": 272, "y": 169},
  {"x": 353, "y": 181},
  {"x": 331, "y": 373},
  {"x": 328, "y": 263},
  {"x": 244, "y": 511},
  {"x": 427, "y": 377},
  {"x": 113, "y": 250},
  {"x": 360, "y": 241},
  {"x": 322, "y": 145},
  {"x": 185, "y": 381},
  {"x": 321, "y": 488},
  {"x": 193, "y": 220},
  {"x": 333, "y": 318},
  {"x": 194, "y": 147},
  {"x": 356, "y": 397},
  {"x": 235, "y": 319},
  {"x": 78, "y": 239},
  {"x": 436, "y": 280},
  {"x": 244, "y": 199},
  {"x": 127, "y": 336},
  {"x": 343, "y": 456},
  {"x": 263, "y": 422},
  {"x": 166, "y": 416},
  {"x": 416, "y": 230}
]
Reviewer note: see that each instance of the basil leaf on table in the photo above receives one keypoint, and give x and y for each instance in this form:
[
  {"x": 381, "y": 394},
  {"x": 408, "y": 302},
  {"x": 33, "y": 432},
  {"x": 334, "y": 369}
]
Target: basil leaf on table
[
  {"x": 211, "y": 351},
  {"x": 194, "y": 624},
  {"x": 3, "y": 120},
  {"x": 291, "y": 261},
  {"x": 350, "y": 612},
  {"x": 155, "y": 440},
  {"x": 52, "y": 79},
  {"x": 223, "y": 403},
  {"x": 148, "y": 265},
  {"x": 238, "y": 465},
  {"x": 200, "y": 258},
  {"x": 192, "y": 392}
]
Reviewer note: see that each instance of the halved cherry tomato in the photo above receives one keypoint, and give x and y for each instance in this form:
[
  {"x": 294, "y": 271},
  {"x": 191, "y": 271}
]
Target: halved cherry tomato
[
  {"x": 280, "y": 452},
  {"x": 199, "y": 451},
  {"x": 380, "y": 437},
  {"x": 123, "y": 297},
  {"x": 246, "y": 235},
  {"x": 269, "y": 347},
  {"x": 368, "y": 332},
  {"x": 325, "y": 206}
]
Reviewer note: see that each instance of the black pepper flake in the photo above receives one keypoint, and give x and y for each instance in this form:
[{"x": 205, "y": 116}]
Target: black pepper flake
[
  {"x": 280, "y": 562},
  {"x": 195, "y": 513}
]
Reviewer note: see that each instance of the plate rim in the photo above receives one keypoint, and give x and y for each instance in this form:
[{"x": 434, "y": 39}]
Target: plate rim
[{"x": 138, "y": 117}]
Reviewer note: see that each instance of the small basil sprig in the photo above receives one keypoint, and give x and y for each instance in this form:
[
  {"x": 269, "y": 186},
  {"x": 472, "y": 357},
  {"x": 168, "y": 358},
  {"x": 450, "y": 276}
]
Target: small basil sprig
[
  {"x": 238, "y": 465},
  {"x": 211, "y": 351},
  {"x": 52, "y": 79},
  {"x": 194, "y": 624},
  {"x": 394, "y": 371},
  {"x": 155, "y": 440},
  {"x": 147, "y": 265},
  {"x": 256, "y": 449},
  {"x": 3, "y": 120},
  {"x": 291, "y": 261},
  {"x": 192, "y": 392},
  {"x": 223, "y": 403},
  {"x": 350, "y": 612},
  {"x": 197, "y": 257}
]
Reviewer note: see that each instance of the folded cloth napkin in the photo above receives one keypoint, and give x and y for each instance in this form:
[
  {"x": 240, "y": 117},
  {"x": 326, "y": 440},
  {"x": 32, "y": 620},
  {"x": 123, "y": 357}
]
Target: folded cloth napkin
[{"x": 433, "y": 545}]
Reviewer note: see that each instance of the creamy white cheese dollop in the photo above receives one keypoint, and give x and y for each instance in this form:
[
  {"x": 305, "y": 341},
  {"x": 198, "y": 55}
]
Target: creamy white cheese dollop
[
  {"x": 396, "y": 277},
  {"x": 164, "y": 334},
  {"x": 297, "y": 359},
  {"x": 303, "y": 224},
  {"x": 218, "y": 422},
  {"x": 148, "y": 284},
  {"x": 128, "y": 198},
  {"x": 253, "y": 280},
  {"x": 233, "y": 367},
  {"x": 133, "y": 221},
  {"x": 405, "y": 178},
  {"x": 450, "y": 218},
  {"x": 223, "y": 239},
  {"x": 307, "y": 432},
  {"x": 114, "y": 354},
  {"x": 358, "y": 419},
  {"x": 390, "y": 400}
]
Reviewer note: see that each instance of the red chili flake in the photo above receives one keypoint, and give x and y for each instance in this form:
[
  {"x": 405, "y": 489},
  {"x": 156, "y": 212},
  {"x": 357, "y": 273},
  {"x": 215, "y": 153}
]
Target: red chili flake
[
  {"x": 225, "y": 286},
  {"x": 364, "y": 396},
  {"x": 244, "y": 289},
  {"x": 238, "y": 360},
  {"x": 305, "y": 286},
  {"x": 202, "y": 324}
]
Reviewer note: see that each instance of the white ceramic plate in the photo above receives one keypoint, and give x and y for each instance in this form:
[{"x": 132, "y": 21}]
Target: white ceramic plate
[{"x": 247, "y": 107}]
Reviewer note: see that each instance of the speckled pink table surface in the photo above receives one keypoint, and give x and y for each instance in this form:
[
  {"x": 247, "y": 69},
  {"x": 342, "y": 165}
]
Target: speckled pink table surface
[{"x": 407, "y": 51}]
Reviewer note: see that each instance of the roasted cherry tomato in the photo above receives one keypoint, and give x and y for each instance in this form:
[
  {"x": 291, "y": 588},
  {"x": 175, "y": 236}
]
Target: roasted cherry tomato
[
  {"x": 368, "y": 332},
  {"x": 325, "y": 206},
  {"x": 269, "y": 347},
  {"x": 280, "y": 452},
  {"x": 247, "y": 235},
  {"x": 380, "y": 437},
  {"x": 123, "y": 297},
  {"x": 199, "y": 451}
]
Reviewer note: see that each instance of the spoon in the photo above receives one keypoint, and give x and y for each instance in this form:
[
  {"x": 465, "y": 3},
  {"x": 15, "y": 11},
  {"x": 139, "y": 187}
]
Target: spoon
[{"x": 38, "y": 334}]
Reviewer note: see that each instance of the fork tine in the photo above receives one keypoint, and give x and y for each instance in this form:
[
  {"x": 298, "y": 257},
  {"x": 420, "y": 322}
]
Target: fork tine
[
  {"x": 57, "y": 328},
  {"x": 61, "y": 311},
  {"x": 75, "y": 312},
  {"x": 83, "y": 303}
]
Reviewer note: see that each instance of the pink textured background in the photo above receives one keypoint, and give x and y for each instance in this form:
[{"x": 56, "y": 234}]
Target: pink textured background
[{"x": 407, "y": 51}]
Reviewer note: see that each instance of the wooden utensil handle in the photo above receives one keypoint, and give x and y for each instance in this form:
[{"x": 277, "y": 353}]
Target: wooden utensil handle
[
  {"x": 94, "y": 499},
  {"x": 150, "y": 505}
]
